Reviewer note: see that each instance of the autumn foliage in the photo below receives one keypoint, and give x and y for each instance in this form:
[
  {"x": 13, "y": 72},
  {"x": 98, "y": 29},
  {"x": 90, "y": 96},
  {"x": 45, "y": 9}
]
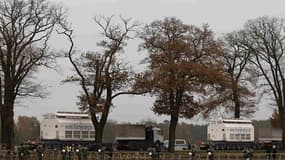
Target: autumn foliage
[
  {"x": 275, "y": 120},
  {"x": 184, "y": 62}
]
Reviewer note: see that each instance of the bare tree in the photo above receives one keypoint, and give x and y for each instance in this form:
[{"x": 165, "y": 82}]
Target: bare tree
[
  {"x": 102, "y": 75},
  {"x": 183, "y": 62},
  {"x": 25, "y": 27},
  {"x": 242, "y": 76},
  {"x": 265, "y": 39}
]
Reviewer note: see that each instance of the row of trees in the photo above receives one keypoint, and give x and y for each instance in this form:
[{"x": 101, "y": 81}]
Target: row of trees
[
  {"x": 190, "y": 71},
  {"x": 183, "y": 61}
]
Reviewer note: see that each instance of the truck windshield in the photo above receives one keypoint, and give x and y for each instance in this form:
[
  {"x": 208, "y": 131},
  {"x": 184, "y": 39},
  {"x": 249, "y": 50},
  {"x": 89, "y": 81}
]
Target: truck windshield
[{"x": 180, "y": 142}]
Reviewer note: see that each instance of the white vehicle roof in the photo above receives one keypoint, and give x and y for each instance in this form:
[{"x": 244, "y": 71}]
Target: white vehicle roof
[
  {"x": 232, "y": 121},
  {"x": 67, "y": 115},
  {"x": 236, "y": 121},
  {"x": 73, "y": 114},
  {"x": 233, "y": 125},
  {"x": 83, "y": 121}
]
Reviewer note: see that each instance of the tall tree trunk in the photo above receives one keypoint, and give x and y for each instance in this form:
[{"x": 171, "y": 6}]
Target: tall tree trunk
[
  {"x": 98, "y": 130},
  {"x": 172, "y": 129},
  {"x": 7, "y": 126},
  {"x": 282, "y": 117},
  {"x": 283, "y": 137},
  {"x": 1, "y": 106},
  {"x": 236, "y": 98},
  {"x": 7, "y": 116},
  {"x": 237, "y": 105},
  {"x": 99, "y": 135}
]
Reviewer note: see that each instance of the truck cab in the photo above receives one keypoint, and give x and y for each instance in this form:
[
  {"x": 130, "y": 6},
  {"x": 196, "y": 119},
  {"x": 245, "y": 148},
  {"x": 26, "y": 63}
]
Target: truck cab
[{"x": 157, "y": 134}]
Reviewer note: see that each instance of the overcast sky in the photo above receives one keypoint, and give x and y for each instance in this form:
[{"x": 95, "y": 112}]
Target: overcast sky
[{"x": 222, "y": 15}]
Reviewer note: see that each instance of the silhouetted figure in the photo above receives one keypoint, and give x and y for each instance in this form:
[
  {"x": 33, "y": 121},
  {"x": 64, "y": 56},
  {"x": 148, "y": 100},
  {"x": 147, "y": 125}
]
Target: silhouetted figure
[
  {"x": 247, "y": 154},
  {"x": 210, "y": 152},
  {"x": 192, "y": 153},
  {"x": 273, "y": 153}
]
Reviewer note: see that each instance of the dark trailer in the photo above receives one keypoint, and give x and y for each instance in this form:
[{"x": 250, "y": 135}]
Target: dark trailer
[{"x": 137, "y": 137}]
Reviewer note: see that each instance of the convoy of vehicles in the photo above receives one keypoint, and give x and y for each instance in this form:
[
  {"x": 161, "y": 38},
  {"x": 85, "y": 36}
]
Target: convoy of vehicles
[{"x": 75, "y": 128}]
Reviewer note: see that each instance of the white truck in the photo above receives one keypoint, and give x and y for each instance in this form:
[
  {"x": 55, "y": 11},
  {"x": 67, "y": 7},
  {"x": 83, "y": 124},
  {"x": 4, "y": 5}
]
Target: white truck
[
  {"x": 230, "y": 133},
  {"x": 180, "y": 144}
]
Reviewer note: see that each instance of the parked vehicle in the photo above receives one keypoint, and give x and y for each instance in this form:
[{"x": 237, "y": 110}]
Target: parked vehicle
[
  {"x": 179, "y": 145},
  {"x": 62, "y": 129},
  {"x": 137, "y": 137},
  {"x": 231, "y": 134}
]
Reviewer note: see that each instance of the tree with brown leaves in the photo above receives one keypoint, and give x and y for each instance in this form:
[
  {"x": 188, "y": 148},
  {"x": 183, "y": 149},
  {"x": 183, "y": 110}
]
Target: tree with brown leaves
[
  {"x": 103, "y": 76},
  {"x": 184, "y": 64},
  {"x": 25, "y": 28},
  {"x": 275, "y": 119},
  {"x": 265, "y": 38},
  {"x": 27, "y": 129}
]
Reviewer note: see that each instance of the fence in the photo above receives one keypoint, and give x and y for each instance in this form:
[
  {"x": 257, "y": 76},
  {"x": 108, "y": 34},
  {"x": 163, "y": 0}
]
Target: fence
[{"x": 56, "y": 155}]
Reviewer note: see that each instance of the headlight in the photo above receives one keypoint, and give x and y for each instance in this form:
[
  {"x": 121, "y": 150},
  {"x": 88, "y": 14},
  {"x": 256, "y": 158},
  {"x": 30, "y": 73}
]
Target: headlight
[
  {"x": 150, "y": 153},
  {"x": 209, "y": 153},
  {"x": 63, "y": 150},
  {"x": 190, "y": 153}
]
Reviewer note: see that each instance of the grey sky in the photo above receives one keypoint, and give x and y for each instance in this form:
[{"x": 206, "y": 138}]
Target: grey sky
[{"x": 222, "y": 15}]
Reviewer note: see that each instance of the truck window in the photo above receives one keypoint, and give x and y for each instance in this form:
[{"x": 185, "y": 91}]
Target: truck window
[{"x": 180, "y": 142}]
